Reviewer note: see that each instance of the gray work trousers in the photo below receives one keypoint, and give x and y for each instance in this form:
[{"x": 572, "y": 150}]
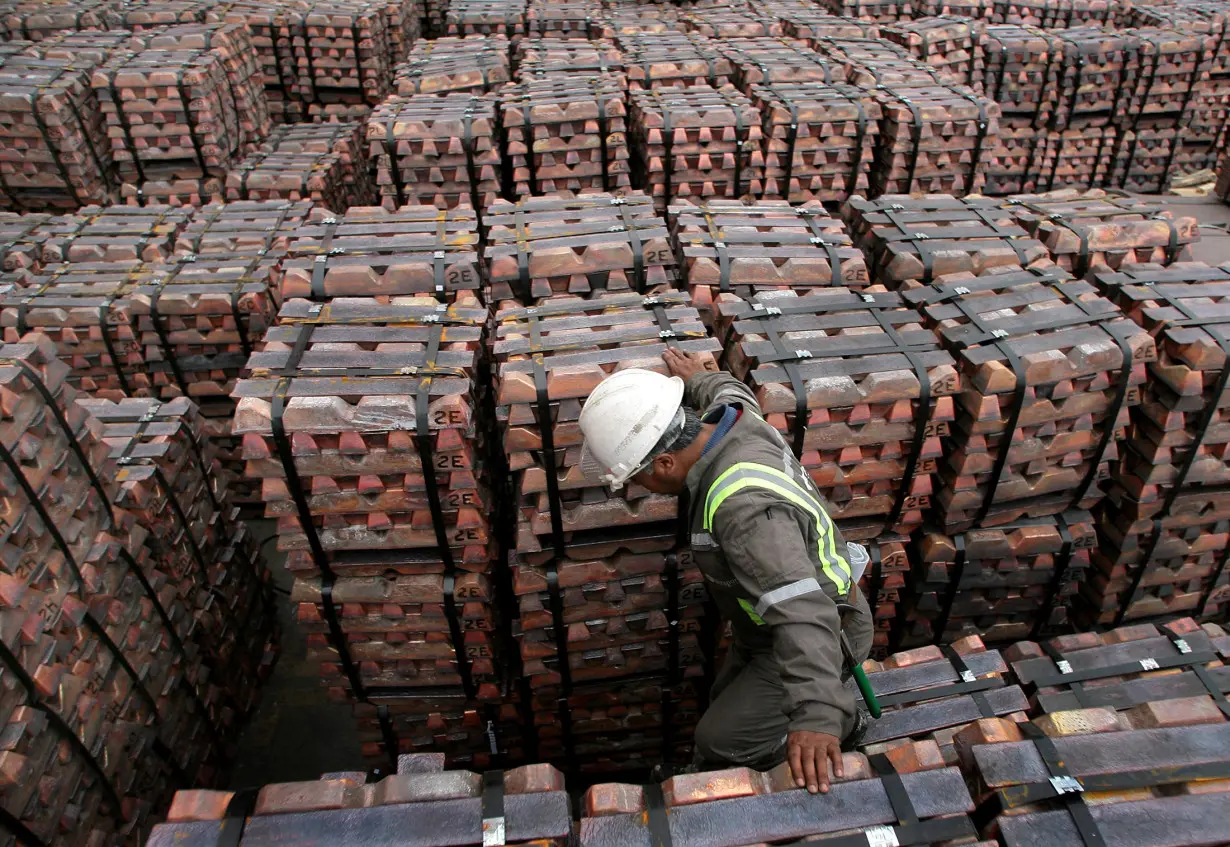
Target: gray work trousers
[{"x": 744, "y": 725}]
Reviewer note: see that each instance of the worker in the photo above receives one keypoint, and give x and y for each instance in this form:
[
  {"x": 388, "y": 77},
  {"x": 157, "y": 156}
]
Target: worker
[{"x": 772, "y": 559}]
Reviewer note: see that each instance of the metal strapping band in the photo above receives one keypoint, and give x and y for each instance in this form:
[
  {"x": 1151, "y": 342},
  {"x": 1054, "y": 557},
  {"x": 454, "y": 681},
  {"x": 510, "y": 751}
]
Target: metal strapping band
[
  {"x": 656, "y": 819},
  {"x": 954, "y": 586},
  {"x": 1061, "y": 564}
]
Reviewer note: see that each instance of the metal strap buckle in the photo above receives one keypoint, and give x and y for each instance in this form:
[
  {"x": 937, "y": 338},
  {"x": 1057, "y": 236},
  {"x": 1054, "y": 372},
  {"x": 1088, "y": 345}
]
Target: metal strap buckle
[
  {"x": 881, "y": 836},
  {"x": 968, "y": 676},
  {"x": 1149, "y": 664},
  {"x": 1067, "y": 785},
  {"x": 868, "y": 298},
  {"x": 999, "y": 333},
  {"x": 1182, "y": 646},
  {"x": 802, "y": 354},
  {"x": 1065, "y": 667},
  {"x": 667, "y": 333},
  {"x": 493, "y": 832},
  {"x": 960, "y": 289},
  {"x": 439, "y": 254}
]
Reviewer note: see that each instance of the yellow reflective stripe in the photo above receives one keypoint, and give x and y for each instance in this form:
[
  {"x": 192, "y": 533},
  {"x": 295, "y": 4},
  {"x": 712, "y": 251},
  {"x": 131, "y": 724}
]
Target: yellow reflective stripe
[
  {"x": 794, "y": 494},
  {"x": 832, "y": 536},
  {"x": 751, "y": 613}
]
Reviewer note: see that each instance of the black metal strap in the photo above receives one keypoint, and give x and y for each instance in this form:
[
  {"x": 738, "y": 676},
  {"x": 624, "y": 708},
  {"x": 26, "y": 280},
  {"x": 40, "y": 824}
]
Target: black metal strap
[
  {"x": 602, "y": 130},
  {"x": 320, "y": 265},
  {"x": 1062, "y": 562},
  {"x": 161, "y": 330},
  {"x": 241, "y": 807},
  {"x": 719, "y": 247},
  {"x": 528, "y": 129},
  {"x": 668, "y": 143},
  {"x": 655, "y": 816},
  {"x": 1072, "y": 794},
  {"x": 1201, "y": 671},
  {"x": 640, "y": 278},
  {"x": 125, "y": 126},
  {"x": 19, "y": 830},
  {"x": 875, "y": 578},
  {"x": 671, "y": 580},
  {"x": 390, "y": 146},
  {"x": 186, "y": 101},
  {"x": 494, "y": 827},
  {"x": 954, "y": 586},
  {"x": 967, "y": 676},
  {"x": 467, "y": 143}
]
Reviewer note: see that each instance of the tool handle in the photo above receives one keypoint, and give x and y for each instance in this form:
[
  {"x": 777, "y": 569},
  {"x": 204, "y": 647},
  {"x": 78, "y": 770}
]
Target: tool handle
[{"x": 864, "y": 686}]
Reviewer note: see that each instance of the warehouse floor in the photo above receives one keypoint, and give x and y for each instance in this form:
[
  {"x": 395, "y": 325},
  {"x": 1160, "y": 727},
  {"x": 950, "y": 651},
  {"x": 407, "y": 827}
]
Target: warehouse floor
[{"x": 296, "y": 734}]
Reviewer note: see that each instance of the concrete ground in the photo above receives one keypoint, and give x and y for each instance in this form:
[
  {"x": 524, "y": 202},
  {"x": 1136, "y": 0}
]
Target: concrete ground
[{"x": 297, "y": 734}]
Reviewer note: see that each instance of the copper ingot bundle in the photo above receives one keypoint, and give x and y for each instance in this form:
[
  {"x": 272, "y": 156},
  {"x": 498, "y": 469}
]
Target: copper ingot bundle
[
  {"x": 566, "y": 134},
  {"x": 542, "y": 246},
  {"x": 1163, "y": 526},
  {"x": 437, "y": 151},
  {"x": 57, "y": 155},
  {"x": 373, "y": 252},
  {"x": 774, "y": 59},
  {"x": 699, "y": 142},
  {"x": 33, "y": 21},
  {"x": 363, "y": 423},
  {"x": 562, "y": 18},
  {"x": 526, "y": 805},
  {"x": 485, "y": 17},
  {"x": 673, "y": 59},
  {"x": 325, "y": 163},
  {"x": 729, "y": 22},
  {"x": 858, "y": 388},
  {"x": 820, "y": 139},
  {"x": 950, "y": 44},
  {"x": 475, "y": 64},
  {"x": 1050, "y": 371},
  {"x": 542, "y": 57},
  {"x": 1000, "y": 583},
  {"x": 767, "y": 245}
]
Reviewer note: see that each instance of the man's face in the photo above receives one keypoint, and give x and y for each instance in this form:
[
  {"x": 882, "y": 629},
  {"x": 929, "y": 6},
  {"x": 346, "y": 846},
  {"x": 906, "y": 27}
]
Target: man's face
[{"x": 665, "y": 475}]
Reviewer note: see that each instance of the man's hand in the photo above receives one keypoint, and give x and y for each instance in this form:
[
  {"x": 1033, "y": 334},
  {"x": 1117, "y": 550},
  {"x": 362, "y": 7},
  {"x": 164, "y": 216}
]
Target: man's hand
[
  {"x": 681, "y": 364},
  {"x": 809, "y": 754}
]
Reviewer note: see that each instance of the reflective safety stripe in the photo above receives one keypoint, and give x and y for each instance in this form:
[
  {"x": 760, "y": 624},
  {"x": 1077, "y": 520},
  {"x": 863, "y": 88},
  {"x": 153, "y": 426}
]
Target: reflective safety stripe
[
  {"x": 786, "y": 592},
  {"x": 751, "y": 612},
  {"x": 754, "y": 475},
  {"x": 703, "y": 540}
]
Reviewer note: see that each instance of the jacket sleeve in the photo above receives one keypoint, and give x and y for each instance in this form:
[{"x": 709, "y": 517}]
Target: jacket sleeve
[
  {"x": 707, "y": 388},
  {"x": 764, "y": 542}
]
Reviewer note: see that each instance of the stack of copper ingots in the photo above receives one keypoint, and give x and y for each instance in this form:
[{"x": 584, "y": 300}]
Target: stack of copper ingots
[
  {"x": 542, "y": 247},
  {"x": 673, "y": 60},
  {"x": 635, "y": 18},
  {"x": 526, "y": 805},
  {"x": 121, "y": 685},
  {"x": 325, "y": 163},
  {"x": 931, "y": 695},
  {"x": 1047, "y": 364},
  {"x": 730, "y": 22},
  {"x": 934, "y": 138},
  {"x": 541, "y": 57},
  {"x": 1058, "y": 14},
  {"x": 566, "y": 134},
  {"x": 870, "y": 62},
  {"x": 1096, "y": 79},
  {"x": 1084, "y": 230},
  {"x": 698, "y": 143},
  {"x": 343, "y": 52},
  {"x": 742, "y": 806},
  {"x": 810, "y": 22},
  {"x": 1163, "y": 529},
  {"x": 56, "y": 154},
  {"x": 1153, "y": 145},
  {"x": 1207, "y": 116},
  {"x": 182, "y": 111},
  {"x": 1151, "y": 696},
  {"x": 773, "y": 59},
  {"x": 23, "y": 20},
  {"x": 728, "y": 246},
  {"x": 562, "y": 18},
  {"x": 165, "y": 475},
  {"x": 1022, "y": 70},
  {"x": 883, "y": 11},
  {"x": 950, "y": 44},
  {"x": 476, "y": 64},
  {"x": 363, "y": 420},
  {"x": 1001, "y": 583},
  {"x": 820, "y": 139},
  {"x": 441, "y": 151},
  {"x": 485, "y": 17},
  {"x": 983, "y": 10},
  {"x": 372, "y": 252},
  {"x": 404, "y": 27},
  {"x": 610, "y": 603}
]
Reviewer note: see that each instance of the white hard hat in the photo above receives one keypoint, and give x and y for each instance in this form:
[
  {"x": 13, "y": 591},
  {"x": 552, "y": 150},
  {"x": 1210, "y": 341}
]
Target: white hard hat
[{"x": 622, "y": 421}]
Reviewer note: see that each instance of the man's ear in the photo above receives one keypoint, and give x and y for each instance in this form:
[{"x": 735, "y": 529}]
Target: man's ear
[{"x": 665, "y": 464}]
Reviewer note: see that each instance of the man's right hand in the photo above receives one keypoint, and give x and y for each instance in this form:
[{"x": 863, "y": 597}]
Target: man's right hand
[
  {"x": 681, "y": 364},
  {"x": 809, "y": 754}
]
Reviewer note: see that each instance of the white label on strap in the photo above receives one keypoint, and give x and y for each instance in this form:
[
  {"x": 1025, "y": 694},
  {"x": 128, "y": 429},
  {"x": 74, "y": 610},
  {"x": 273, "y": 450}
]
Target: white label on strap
[
  {"x": 1066, "y": 785},
  {"x": 1149, "y": 664},
  {"x": 881, "y": 836},
  {"x": 1064, "y": 666},
  {"x": 493, "y": 832},
  {"x": 967, "y": 676},
  {"x": 1182, "y": 646}
]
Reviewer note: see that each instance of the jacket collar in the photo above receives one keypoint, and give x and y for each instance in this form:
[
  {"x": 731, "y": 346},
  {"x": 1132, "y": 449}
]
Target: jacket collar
[{"x": 701, "y": 468}]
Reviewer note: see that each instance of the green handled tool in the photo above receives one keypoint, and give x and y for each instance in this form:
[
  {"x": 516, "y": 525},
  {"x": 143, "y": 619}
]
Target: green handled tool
[{"x": 856, "y": 670}]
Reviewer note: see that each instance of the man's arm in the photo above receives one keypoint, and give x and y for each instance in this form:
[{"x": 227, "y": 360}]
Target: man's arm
[
  {"x": 765, "y": 545},
  {"x": 703, "y": 388}
]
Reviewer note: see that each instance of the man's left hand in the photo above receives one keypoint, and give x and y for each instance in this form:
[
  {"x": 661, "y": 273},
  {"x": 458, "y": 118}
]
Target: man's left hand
[{"x": 809, "y": 754}]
